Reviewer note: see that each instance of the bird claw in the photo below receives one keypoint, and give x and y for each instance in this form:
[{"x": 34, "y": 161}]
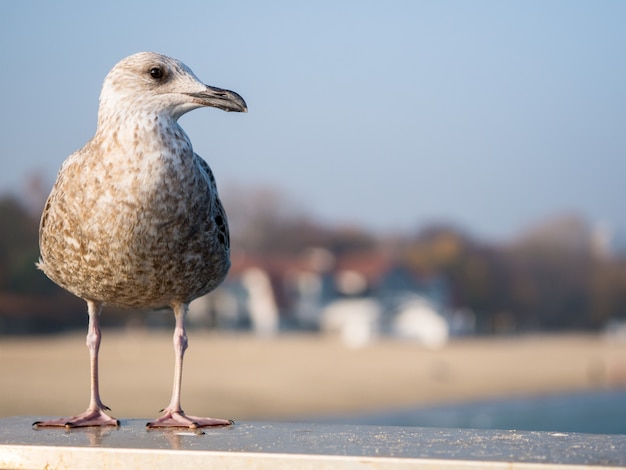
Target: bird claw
[
  {"x": 178, "y": 419},
  {"x": 89, "y": 418}
]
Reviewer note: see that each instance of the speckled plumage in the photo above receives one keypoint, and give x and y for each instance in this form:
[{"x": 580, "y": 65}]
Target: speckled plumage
[{"x": 134, "y": 219}]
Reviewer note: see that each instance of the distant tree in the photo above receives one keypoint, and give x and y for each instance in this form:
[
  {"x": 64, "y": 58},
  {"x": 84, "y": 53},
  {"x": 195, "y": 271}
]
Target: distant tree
[
  {"x": 265, "y": 221},
  {"x": 550, "y": 278},
  {"x": 551, "y": 267},
  {"x": 18, "y": 247},
  {"x": 607, "y": 291}
]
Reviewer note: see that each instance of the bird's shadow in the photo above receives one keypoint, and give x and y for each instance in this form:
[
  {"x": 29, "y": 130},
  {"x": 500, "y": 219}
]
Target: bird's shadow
[{"x": 94, "y": 434}]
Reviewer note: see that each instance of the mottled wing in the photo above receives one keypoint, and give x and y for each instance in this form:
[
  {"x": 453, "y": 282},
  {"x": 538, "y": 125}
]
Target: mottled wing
[
  {"x": 47, "y": 235},
  {"x": 219, "y": 215}
]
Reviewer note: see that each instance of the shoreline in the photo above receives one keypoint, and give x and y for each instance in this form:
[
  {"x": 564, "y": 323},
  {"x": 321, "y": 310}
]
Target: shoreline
[{"x": 243, "y": 377}]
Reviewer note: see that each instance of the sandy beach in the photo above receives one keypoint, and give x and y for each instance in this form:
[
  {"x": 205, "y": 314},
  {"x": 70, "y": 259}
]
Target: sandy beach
[{"x": 293, "y": 376}]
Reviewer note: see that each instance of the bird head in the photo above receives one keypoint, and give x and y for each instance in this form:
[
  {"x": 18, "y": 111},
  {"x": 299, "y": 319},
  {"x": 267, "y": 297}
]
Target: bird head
[{"x": 152, "y": 83}]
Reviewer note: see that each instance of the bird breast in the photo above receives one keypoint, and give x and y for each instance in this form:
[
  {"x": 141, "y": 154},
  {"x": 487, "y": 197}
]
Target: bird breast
[{"x": 136, "y": 228}]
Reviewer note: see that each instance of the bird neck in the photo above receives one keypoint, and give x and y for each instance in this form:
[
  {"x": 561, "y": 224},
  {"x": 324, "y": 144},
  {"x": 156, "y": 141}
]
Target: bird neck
[{"x": 143, "y": 132}]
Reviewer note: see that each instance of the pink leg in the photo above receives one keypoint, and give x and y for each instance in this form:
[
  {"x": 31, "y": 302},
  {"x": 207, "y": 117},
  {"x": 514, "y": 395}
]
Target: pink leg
[
  {"x": 95, "y": 414},
  {"x": 173, "y": 415}
]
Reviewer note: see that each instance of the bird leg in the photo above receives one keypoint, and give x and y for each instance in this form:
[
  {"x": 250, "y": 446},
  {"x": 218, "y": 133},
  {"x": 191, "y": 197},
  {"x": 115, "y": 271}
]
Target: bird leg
[
  {"x": 173, "y": 415},
  {"x": 95, "y": 415}
]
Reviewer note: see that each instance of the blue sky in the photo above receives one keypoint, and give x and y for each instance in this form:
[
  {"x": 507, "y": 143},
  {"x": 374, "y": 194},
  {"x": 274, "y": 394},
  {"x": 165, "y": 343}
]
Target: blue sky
[{"x": 489, "y": 115}]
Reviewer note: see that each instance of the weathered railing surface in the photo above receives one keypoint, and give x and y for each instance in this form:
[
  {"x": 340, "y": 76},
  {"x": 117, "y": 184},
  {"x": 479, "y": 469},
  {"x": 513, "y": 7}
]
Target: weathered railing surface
[{"x": 301, "y": 446}]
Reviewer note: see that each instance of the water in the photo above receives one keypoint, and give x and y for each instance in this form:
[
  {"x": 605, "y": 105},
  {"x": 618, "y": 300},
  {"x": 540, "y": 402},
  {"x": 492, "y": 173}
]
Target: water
[{"x": 602, "y": 412}]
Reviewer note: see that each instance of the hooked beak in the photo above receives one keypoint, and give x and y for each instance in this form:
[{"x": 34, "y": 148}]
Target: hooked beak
[{"x": 218, "y": 98}]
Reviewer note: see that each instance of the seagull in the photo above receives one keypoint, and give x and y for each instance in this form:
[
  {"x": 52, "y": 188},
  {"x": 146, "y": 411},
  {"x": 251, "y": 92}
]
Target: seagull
[{"x": 134, "y": 219}]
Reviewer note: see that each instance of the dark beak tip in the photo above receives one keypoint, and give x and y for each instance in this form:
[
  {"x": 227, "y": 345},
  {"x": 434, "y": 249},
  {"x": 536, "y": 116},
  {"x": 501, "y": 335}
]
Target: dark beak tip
[{"x": 226, "y": 100}]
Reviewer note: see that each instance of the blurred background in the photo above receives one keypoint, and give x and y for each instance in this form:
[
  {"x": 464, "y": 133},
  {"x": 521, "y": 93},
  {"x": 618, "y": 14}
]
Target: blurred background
[{"x": 426, "y": 203}]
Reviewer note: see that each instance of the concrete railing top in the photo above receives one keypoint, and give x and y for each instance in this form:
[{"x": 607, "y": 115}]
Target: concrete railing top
[{"x": 300, "y": 445}]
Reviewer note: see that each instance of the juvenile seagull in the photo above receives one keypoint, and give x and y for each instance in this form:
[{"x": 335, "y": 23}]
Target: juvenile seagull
[{"x": 134, "y": 219}]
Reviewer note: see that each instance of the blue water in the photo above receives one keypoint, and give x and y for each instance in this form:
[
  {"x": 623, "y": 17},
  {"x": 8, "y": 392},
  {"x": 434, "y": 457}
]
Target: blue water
[{"x": 601, "y": 412}]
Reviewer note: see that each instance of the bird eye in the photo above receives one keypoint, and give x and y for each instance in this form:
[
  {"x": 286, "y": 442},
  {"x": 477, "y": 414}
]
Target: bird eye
[{"x": 156, "y": 73}]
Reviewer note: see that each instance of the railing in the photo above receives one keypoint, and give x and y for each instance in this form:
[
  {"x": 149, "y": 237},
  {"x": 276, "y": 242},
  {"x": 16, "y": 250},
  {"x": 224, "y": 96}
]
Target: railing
[{"x": 279, "y": 446}]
